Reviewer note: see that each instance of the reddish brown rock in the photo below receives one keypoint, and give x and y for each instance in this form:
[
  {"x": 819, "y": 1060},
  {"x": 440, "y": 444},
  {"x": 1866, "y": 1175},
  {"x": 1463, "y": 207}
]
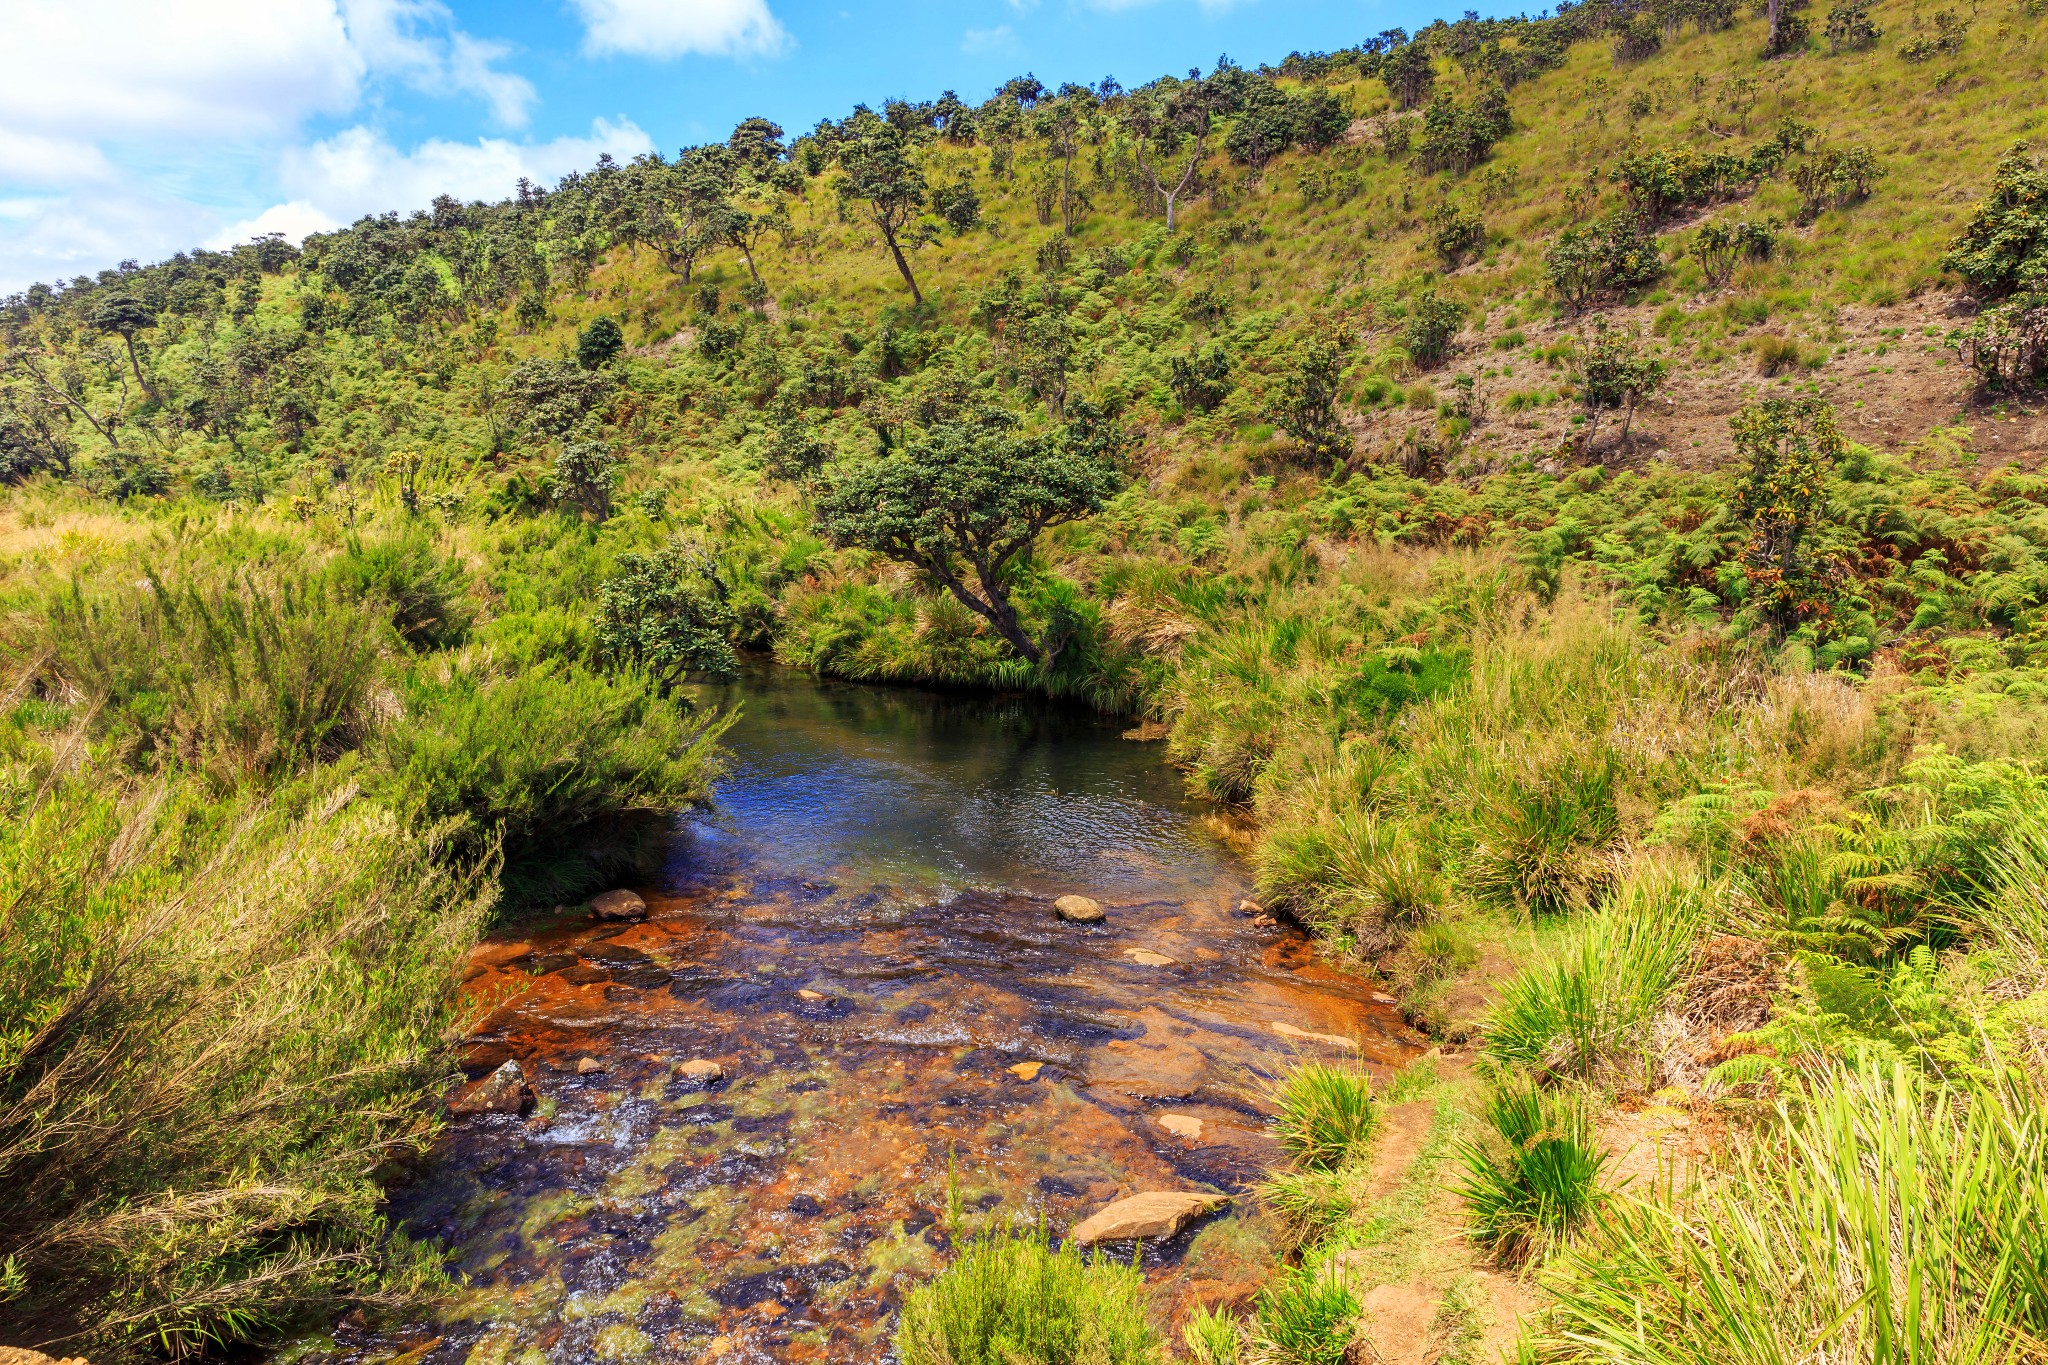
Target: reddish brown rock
[{"x": 504, "y": 1091}]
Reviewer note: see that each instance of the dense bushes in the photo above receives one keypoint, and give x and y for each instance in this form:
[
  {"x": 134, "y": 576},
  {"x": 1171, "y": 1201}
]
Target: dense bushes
[{"x": 1010, "y": 1299}]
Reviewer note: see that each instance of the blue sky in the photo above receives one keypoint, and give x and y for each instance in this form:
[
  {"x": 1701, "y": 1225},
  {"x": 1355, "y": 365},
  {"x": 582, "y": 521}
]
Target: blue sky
[{"x": 132, "y": 128}]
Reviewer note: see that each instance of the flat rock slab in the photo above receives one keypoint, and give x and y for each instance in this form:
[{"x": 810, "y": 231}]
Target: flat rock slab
[
  {"x": 1302, "y": 1035},
  {"x": 1182, "y": 1125},
  {"x": 1026, "y": 1071},
  {"x": 1155, "y": 1214},
  {"x": 1145, "y": 957},
  {"x": 1078, "y": 910},
  {"x": 618, "y": 905}
]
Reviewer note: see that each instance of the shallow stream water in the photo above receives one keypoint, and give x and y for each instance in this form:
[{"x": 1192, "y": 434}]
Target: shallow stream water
[{"x": 861, "y": 934}]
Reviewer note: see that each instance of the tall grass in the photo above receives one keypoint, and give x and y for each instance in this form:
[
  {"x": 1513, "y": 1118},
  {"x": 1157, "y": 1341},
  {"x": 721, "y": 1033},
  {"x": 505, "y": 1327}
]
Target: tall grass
[
  {"x": 1882, "y": 1223},
  {"x": 1306, "y": 1317},
  {"x": 1011, "y": 1299},
  {"x": 1213, "y": 1337},
  {"x": 1536, "y": 1178},
  {"x": 1585, "y": 1006},
  {"x": 216, "y": 1022}
]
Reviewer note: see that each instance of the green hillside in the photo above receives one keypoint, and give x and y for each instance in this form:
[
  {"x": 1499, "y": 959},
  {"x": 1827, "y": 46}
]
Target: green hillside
[{"x": 1568, "y": 485}]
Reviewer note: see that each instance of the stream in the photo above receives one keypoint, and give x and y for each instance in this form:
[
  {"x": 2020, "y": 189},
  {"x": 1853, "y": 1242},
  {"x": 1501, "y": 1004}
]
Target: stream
[{"x": 861, "y": 936}]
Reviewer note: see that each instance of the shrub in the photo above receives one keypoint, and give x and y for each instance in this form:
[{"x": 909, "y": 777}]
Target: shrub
[
  {"x": 1202, "y": 378},
  {"x": 1432, "y": 327},
  {"x": 2007, "y": 343},
  {"x": 1616, "y": 254},
  {"x": 1410, "y": 74},
  {"x": 1306, "y": 1317},
  {"x": 423, "y": 590},
  {"x": 1456, "y": 137},
  {"x": 1720, "y": 246},
  {"x": 1850, "y": 29},
  {"x": 1536, "y": 1179},
  {"x": 1010, "y": 1299},
  {"x": 665, "y": 611},
  {"x": 2004, "y": 247},
  {"x": 1614, "y": 371},
  {"x": 1308, "y": 398},
  {"x": 1950, "y": 30},
  {"x": 1455, "y": 232},
  {"x": 1324, "y": 1114},
  {"x": 1835, "y": 178},
  {"x": 216, "y": 1022},
  {"x": 585, "y": 474},
  {"x": 1788, "y": 448},
  {"x": 572, "y": 776},
  {"x": 1638, "y": 39},
  {"x": 1545, "y": 844},
  {"x": 599, "y": 344}
]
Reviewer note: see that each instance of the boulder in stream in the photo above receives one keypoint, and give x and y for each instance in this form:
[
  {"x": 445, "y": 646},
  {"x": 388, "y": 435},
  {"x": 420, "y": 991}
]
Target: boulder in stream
[
  {"x": 1078, "y": 910},
  {"x": 504, "y": 1091},
  {"x": 704, "y": 1072},
  {"x": 618, "y": 905},
  {"x": 1152, "y": 1215}
]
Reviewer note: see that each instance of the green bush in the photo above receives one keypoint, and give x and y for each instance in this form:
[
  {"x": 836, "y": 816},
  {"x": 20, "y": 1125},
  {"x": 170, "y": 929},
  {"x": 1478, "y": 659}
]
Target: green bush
[
  {"x": 1213, "y": 1337},
  {"x": 1010, "y": 1299},
  {"x": 1587, "y": 1004},
  {"x": 1546, "y": 843},
  {"x": 572, "y": 777},
  {"x": 2003, "y": 249},
  {"x": 424, "y": 591},
  {"x": 1536, "y": 1179},
  {"x": 1324, "y": 1114}
]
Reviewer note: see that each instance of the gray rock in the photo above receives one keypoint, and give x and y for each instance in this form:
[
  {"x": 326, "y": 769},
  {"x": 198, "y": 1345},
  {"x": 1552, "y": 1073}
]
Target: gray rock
[
  {"x": 618, "y": 905},
  {"x": 1078, "y": 910},
  {"x": 1155, "y": 1214}
]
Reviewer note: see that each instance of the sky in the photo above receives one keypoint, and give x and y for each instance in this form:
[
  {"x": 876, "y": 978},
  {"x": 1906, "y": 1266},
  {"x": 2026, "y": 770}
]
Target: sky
[{"x": 131, "y": 129}]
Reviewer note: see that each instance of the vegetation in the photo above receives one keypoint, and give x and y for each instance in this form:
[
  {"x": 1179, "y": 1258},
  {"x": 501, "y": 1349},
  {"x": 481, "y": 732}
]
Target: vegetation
[
  {"x": 370, "y": 569},
  {"x": 1010, "y": 1297}
]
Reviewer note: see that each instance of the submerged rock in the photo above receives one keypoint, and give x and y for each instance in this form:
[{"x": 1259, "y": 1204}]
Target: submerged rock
[
  {"x": 625, "y": 905},
  {"x": 1026, "y": 1071},
  {"x": 1078, "y": 910},
  {"x": 1182, "y": 1125},
  {"x": 1152, "y": 1215},
  {"x": 1145, "y": 957},
  {"x": 504, "y": 1091},
  {"x": 588, "y": 1066},
  {"x": 1302, "y": 1035}
]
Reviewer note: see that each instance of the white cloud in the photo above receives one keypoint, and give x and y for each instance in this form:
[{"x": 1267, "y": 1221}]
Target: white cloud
[
  {"x": 979, "y": 41},
  {"x": 417, "y": 42},
  {"x": 671, "y": 28},
  {"x": 358, "y": 171},
  {"x": 294, "y": 220}
]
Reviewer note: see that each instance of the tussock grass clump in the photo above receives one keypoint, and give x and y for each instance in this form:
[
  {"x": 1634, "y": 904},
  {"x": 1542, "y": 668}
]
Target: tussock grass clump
[
  {"x": 1588, "y": 1002},
  {"x": 1883, "y": 1222},
  {"x": 1213, "y": 1337},
  {"x": 1325, "y": 1114},
  {"x": 1536, "y": 1178},
  {"x": 1306, "y": 1317},
  {"x": 1011, "y": 1299}
]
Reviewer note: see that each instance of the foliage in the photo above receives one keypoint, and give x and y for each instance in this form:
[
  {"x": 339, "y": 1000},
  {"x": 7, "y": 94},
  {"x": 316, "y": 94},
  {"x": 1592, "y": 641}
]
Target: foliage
[
  {"x": 1213, "y": 1336},
  {"x": 2003, "y": 249},
  {"x": 1305, "y": 1317},
  {"x": 1308, "y": 399},
  {"x": 586, "y": 472},
  {"x": 2006, "y": 343},
  {"x": 973, "y": 493},
  {"x": 1432, "y": 327},
  {"x": 1615, "y": 255},
  {"x": 1010, "y": 1299},
  {"x": 1202, "y": 378},
  {"x": 599, "y": 344},
  {"x": 188, "y": 1153},
  {"x": 1719, "y": 246},
  {"x": 1615, "y": 371},
  {"x": 665, "y": 611},
  {"x": 1880, "y": 1220},
  {"x": 1535, "y": 1179},
  {"x": 1850, "y": 28},
  {"x": 1787, "y": 447},
  {"x": 1324, "y": 1114},
  {"x": 1454, "y": 233}
]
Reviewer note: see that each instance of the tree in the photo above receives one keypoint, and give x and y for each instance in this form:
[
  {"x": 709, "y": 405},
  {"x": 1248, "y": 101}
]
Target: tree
[
  {"x": 882, "y": 175},
  {"x": 1432, "y": 327},
  {"x": 666, "y": 611},
  {"x": 1061, "y": 121},
  {"x": 1308, "y": 398},
  {"x": 963, "y": 500},
  {"x": 123, "y": 315},
  {"x": 1614, "y": 371},
  {"x": 1787, "y": 448},
  {"x": 599, "y": 344},
  {"x": 585, "y": 474},
  {"x": 1410, "y": 74},
  {"x": 1201, "y": 379},
  {"x": 1169, "y": 141},
  {"x": 2004, "y": 246},
  {"x": 1455, "y": 232}
]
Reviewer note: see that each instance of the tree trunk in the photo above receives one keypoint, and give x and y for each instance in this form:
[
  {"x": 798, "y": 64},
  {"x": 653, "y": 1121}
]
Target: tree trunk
[
  {"x": 1067, "y": 194},
  {"x": 136, "y": 366},
  {"x": 916, "y": 295},
  {"x": 998, "y": 613}
]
